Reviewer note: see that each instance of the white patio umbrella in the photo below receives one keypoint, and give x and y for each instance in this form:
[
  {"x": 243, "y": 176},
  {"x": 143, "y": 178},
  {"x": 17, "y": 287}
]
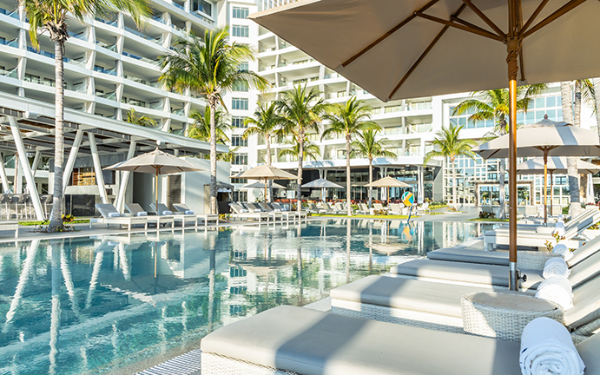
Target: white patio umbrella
[
  {"x": 414, "y": 48},
  {"x": 556, "y": 165},
  {"x": 258, "y": 185},
  {"x": 266, "y": 173},
  {"x": 388, "y": 182},
  {"x": 156, "y": 162},
  {"x": 544, "y": 138},
  {"x": 322, "y": 184}
]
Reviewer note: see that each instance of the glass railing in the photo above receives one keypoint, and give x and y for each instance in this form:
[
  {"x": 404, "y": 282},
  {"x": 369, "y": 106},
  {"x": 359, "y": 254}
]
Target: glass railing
[
  {"x": 81, "y": 36},
  {"x": 14, "y": 14},
  {"x": 420, "y": 128},
  {"x": 11, "y": 43},
  {"x": 112, "y": 72},
  {"x": 175, "y": 27},
  {"x": 177, "y": 131},
  {"x": 141, "y": 58},
  {"x": 107, "y": 95},
  {"x": 78, "y": 88},
  {"x": 392, "y": 108},
  {"x": 159, "y": 19},
  {"x": 144, "y": 36},
  {"x": 413, "y": 151},
  {"x": 420, "y": 106},
  {"x": 396, "y": 130},
  {"x": 14, "y": 73},
  {"x": 112, "y": 47},
  {"x": 135, "y": 102},
  {"x": 142, "y": 81},
  {"x": 81, "y": 63},
  {"x": 178, "y": 5},
  {"x": 107, "y": 22},
  {"x": 205, "y": 19},
  {"x": 178, "y": 112},
  {"x": 156, "y": 105}
]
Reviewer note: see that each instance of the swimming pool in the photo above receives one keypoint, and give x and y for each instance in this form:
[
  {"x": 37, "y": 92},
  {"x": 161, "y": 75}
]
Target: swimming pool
[{"x": 97, "y": 305}]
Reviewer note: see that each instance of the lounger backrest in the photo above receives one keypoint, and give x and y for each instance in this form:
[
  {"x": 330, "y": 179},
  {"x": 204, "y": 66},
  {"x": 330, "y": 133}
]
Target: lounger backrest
[
  {"x": 590, "y": 248},
  {"x": 586, "y": 304},
  {"x": 253, "y": 207},
  {"x": 378, "y": 206},
  {"x": 364, "y": 207},
  {"x": 105, "y": 209},
  {"x": 395, "y": 207},
  {"x": 585, "y": 270},
  {"x": 181, "y": 207},
  {"x": 579, "y": 219},
  {"x": 236, "y": 207},
  {"x": 266, "y": 207},
  {"x": 134, "y": 208}
]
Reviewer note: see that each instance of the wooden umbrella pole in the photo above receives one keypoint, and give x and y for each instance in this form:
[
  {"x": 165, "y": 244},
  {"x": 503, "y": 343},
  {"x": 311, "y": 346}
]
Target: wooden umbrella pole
[
  {"x": 551, "y": 190},
  {"x": 513, "y": 69},
  {"x": 265, "y": 194},
  {"x": 545, "y": 187},
  {"x": 156, "y": 207}
]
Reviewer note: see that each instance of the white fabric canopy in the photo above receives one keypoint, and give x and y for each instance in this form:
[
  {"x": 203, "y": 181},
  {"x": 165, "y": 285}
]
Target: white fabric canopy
[{"x": 322, "y": 183}]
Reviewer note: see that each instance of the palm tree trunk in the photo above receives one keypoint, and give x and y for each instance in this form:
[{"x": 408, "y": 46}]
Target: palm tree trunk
[
  {"x": 575, "y": 206},
  {"x": 212, "y": 102},
  {"x": 577, "y": 122},
  {"x": 502, "y": 169},
  {"x": 596, "y": 82},
  {"x": 454, "y": 201},
  {"x": 300, "y": 161},
  {"x": 59, "y": 152},
  {"x": 270, "y": 184},
  {"x": 348, "y": 200},
  {"x": 370, "y": 181}
]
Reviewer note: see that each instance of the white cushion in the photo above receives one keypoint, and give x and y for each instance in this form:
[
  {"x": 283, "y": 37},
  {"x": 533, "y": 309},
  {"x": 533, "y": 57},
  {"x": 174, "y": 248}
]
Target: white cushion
[
  {"x": 257, "y": 210},
  {"x": 167, "y": 212},
  {"x": 142, "y": 213},
  {"x": 114, "y": 214},
  {"x": 189, "y": 212},
  {"x": 243, "y": 210},
  {"x": 277, "y": 210}
]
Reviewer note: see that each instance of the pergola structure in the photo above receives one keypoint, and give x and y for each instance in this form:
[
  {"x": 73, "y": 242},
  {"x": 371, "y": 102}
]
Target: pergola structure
[{"x": 27, "y": 128}]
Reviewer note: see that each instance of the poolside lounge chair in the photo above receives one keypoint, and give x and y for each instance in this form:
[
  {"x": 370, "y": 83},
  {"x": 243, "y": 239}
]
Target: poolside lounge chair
[
  {"x": 260, "y": 207},
  {"x": 423, "y": 208},
  {"x": 378, "y": 206},
  {"x": 10, "y": 225},
  {"x": 163, "y": 210},
  {"x": 397, "y": 209},
  {"x": 363, "y": 209},
  {"x": 110, "y": 215},
  {"x": 296, "y": 340},
  {"x": 239, "y": 212},
  {"x": 182, "y": 208},
  {"x": 136, "y": 210},
  {"x": 296, "y": 215}
]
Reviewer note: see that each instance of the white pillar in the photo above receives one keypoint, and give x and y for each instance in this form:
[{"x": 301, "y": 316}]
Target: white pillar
[
  {"x": 19, "y": 176},
  {"x": 36, "y": 162},
  {"x": 35, "y": 198},
  {"x": 97, "y": 168},
  {"x": 72, "y": 156},
  {"x": 5, "y": 186},
  {"x": 125, "y": 179}
]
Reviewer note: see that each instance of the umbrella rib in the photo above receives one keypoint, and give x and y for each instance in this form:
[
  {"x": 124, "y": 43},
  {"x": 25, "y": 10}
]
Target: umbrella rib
[
  {"x": 429, "y": 47},
  {"x": 560, "y": 12},
  {"x": 389, "y": 33},
  {"x": 486, "y": 34},
  {"x": 469, "y": 24},
  {"x": 485, "y": 19},
  {"x": 534, "y": 15}
]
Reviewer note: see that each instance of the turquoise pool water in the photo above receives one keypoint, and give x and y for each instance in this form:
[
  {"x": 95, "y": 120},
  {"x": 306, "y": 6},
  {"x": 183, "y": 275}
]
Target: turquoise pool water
[{"x": 98, "y": 305}]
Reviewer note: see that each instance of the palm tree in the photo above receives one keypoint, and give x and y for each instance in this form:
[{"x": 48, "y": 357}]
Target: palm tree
[
  {"x": 370, "y": 147},
  {"x": 145, "y": 121},
  {"x": 566, "y": 94},
  {"x": 201, "y": 129},
  {"x": 495, "y": 107},
  {"x": 210, "y": 67},
  {"x": 51, "y": 16},
  {"x": 266, "y": 122},
  {"x": 228, "y": 156},
  {"x": 449, "y": 145},
  {"x": 349, "y": 120},
  {"x": 310, "y": 150},
  {"x": 302, "y": 110}
]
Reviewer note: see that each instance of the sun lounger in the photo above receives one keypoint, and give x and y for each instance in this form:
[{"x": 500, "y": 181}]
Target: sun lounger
[
  {"x": 10, "y": 225},
  {"x": 239, "y": 212},
  {"x": 182, "y": 208},
  {"x": 423, "y": 208},
  {"x": 286, "y": 212},
  {"x": 295, "y": 340},
  {"x": 260, "y": 207},
  {"x": 110, "y": 215},
  {"x": 136, "y": 210},
  {"x": 163, "y": 211}
]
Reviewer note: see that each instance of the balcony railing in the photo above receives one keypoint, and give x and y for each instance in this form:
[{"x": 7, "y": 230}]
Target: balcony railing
[
  {"x": 178, "y": 112},
  {"x": 9, "y": 73},
  {"x": 420, "y": 106},
  {"x": 396, "y": 130},
  {"x": 178, "y": 5},
  {"x": 14, "y": 14},
  {"x": 112, "y": 72},
  {"x": 11, "y": 43},
  {"x": 135, "y": 102},
  {"x": 159, "y": 19},
  {"x": 156, "y": 105},
  {"x": 81, "y": 63},
  {"x": 142, "y": 81},
  {"x": 205, "y": 19},
  {"x": 112, "y": 47},
  {"x": 81, "y": 36},
  {"x": 107, "y": 22},
  {"x": 144, "y": 59},
  {"x": 108, "y": 95},
  {"x": 420, "y": 128},
  {"x": 144, "y": 36}
]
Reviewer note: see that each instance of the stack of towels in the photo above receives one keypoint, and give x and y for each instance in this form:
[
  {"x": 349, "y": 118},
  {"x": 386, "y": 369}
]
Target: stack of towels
[
  {"x": 556, "y": 286},
  {"x": 547, "y": 348}
]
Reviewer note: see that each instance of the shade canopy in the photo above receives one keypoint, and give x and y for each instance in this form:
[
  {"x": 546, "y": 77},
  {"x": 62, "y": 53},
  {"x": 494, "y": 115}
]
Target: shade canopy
[
  {"x": 415, "y": 48},
  {"x": 555, "y": 165},
  {"x": 555, "y": 138},
  {"x": 155, "y": 162},
  {"x": 260, "y": 185},
  {"x": 265, "y": 172},
  {"x": 322, "y": 183},
  {"x": 388, "y": 182}
]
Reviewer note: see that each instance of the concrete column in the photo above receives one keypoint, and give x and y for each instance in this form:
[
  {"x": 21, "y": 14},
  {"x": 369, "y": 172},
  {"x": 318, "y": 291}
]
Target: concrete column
[
  {"x": 36, "y": 162},
  {"x": 124, "y": 179},
  {"x": 35, "y": 198},
  {"x": 97, "y": 168},
  {"x": 5, "y": 186},
  {"x": 19, "y": 177},
  {"x": 72, "y": 156}
]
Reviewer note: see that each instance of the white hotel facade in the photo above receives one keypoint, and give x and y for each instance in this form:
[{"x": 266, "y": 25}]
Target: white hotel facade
[{"x": 112, "y": 67}]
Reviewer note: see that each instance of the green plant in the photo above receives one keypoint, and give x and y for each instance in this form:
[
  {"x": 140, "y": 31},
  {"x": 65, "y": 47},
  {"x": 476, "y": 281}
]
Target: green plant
[
  {"x": 380, "y": 212},
  {"x": 594, "y": 226},
  {"x": 486, "y": 215},
  {"x": 549, "y": 246},
  {"x": 452, "y": 209},
  {"x": 224, "y": 217},
  {"x": 68, "y": 218}
]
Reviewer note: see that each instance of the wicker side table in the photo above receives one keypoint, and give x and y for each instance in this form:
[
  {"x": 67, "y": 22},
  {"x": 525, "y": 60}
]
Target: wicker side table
[{"x": 504, "y": 315}]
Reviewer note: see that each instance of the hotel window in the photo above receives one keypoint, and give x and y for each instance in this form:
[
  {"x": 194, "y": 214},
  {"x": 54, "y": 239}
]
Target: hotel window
[
  {"x": 238, "y": 122},
  {"x": 205, "y": 7},
  {"x": 240, "y": 12},
  {"x": 240, "y": 31},
  {"x": 238, "y": 141},
  {"x": 239, "y": 181},
  {"x": 240, "y": 86},
  {"x": 239, "y": 103},
  {"x": 240, "y": 159},
  {"x": 243, "y": 67}
]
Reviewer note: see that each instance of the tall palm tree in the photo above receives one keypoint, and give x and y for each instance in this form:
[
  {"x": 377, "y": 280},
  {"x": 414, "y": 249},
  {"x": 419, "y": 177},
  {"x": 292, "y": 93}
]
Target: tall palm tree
[
  {"x": 201, "y": 129},
  {"x": 349, "y": 120},
  {"x": 495, "y": 106},
  {"x": 447, "y": 144},
  {"x": 266, "y": 121},
  {"x": 145, "y": 121},
  {"x": 370, "y": 147},
  {"x": 566, "y": 94},
  {"x": 310, "y": 151},
  {"x": 210, "y": 67},
  {"x": 51, "y": 16},
  {"x": 302, "y": 110}
]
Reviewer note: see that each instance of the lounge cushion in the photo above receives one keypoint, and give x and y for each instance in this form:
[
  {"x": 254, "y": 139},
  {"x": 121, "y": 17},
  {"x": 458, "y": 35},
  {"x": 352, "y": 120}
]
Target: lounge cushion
[
  {"x": 470, "y": 255},
  {"x": 590, "y": 248},
  {"x": 588, "y": 350},
  {"x": 313, "y": 342},
  {"x": 586, "y": 304},
  {"x": 585, "y": 270},
  {"x": 465, "y": 272}
]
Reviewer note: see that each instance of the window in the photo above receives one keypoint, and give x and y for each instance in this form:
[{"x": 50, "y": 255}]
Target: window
[
  {"x": 240, "y": 31},
  {"x": 240, "y": 86},
  {"x": 238, "y": 141},
  {"x": 240, "y": 12},
  {"x": 239, "y": 181},
  {"x": 205, "y": 7},
  {"x": 243, "y": 67},
  {"x": 239, "y": 103},
  {"x": 240, "y": 159},
  {"x": 238, "y": 122}
]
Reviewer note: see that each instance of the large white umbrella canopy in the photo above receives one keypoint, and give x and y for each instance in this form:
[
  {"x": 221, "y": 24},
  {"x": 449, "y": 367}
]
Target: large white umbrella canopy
[
  {"x": 265, "y": 172},
  {"x": 388, "y": 182},
  {"x": 156, "y": 162},
  {"x": 414, "y": 48},
  {"x": 556, "y": 165},
  {"x": 322, "y": 183},
  {"x": 258, "y": 185}
]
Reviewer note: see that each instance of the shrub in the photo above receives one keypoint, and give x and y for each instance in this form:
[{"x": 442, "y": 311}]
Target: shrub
[
  {"x": 380, "y": 212},
  {"x": 486, "y": 215}
]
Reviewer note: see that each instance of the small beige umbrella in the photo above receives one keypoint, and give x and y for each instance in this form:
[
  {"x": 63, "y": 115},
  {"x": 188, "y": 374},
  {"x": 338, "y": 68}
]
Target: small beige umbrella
[
  {"x": 388, "y": 182},
  {"x": 265, "y": 173},
  {"x": 157, "y": 162}
]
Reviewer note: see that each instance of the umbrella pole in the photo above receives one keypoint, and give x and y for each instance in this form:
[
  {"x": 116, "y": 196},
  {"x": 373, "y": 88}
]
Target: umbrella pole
[
  {"x": 156, "y": 207},
  {"x": 513, "y": 69},
  {"x": 551, "y": 190},
  {"x": 265, "y": 194},
  {"x": 545, "y": 187}
]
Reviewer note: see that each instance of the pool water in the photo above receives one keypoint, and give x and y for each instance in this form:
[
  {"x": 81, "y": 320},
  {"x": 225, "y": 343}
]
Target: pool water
[{"x": 97, "y": 305}]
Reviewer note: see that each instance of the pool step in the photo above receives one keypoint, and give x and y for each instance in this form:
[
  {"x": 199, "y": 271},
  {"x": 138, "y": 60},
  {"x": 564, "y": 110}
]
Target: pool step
[{"x": 186, "y": 364}]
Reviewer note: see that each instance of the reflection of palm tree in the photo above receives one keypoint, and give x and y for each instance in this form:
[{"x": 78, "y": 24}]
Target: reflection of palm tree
[
  {"x": 211, "y": 289},
  {"x": 55, "y": 313},
  {"x": 348, "y": 231}
]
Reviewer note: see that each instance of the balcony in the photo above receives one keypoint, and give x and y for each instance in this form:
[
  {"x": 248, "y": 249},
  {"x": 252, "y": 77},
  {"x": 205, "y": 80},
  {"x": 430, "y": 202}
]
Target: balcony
[
  {"x": 396, "y": 130},
  {"x": 108, "y": 95},
  {"x": 155, "y": 84},
  {"x": 140, "y": 58},
  {"x": 205, "y": 19},
  {"x": 144, "y": 36},
  {"x": 419, "y": 128},
  {"x": 81, "y": 36},
  {"x": 111, "y": 72},
  {"x": 112, "y": 47},
  {"x": 9, "y": 73},
  {"x": 178, "y": 5},
  {"x": 178, "y": 112},
  {"x": 159, "y": 19},
  {"x": 107, "y": 22},
  {"x": 11, "y": 43},
  {"x": 14, "y": 14},
  {"x": 80, "y": 63}
]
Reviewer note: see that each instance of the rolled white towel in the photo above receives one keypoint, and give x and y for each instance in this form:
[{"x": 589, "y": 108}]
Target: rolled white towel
[
  {"x": 142, "y": 213},
  {"x": 189, "y": 212},
  {"x": 114, "y": 214},
  {"x": 547, "y": 349},
  {"x": 559, "y": 228},
  {"x": 556, "y": 267},
  {"x": 277, "y": 210},
  {"x": 558, "y": 290},
  {"x": 167, "y": 212},
  {"x": 243, "y": 210},
  {"x": 257, "y": 210},
  {"x": 563, "y": 250}
]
